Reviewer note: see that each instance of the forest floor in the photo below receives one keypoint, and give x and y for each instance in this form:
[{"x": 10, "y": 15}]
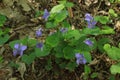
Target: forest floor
[{"x": 22, "y": 22}]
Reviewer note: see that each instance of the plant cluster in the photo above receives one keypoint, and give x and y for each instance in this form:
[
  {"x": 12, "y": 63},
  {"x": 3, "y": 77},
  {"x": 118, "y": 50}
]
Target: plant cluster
[{"x": 69, "y": 47}]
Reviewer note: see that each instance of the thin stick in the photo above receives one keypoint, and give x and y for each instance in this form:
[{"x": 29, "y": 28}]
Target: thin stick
[{"x": 70, "y": 12}]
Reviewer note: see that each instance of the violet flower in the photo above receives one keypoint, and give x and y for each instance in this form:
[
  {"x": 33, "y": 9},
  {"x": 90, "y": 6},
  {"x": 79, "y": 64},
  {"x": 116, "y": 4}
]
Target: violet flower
[
  {"x": 39, "y": 32},
  {"x": 18, "y": 49},
  {"x": 88, "y": 42},
  {"x": 46, "y": 14},
  {"x": 39, "y": 45},
  {"x": 80, "y": 59},
  {"x": 63, "y": 30},
  {"x": 90, "y": 20}
]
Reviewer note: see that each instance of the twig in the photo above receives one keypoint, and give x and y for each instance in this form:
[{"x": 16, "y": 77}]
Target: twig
[
  {"x": 23, "y": 26},
  {"x": 70, "y": 12}
]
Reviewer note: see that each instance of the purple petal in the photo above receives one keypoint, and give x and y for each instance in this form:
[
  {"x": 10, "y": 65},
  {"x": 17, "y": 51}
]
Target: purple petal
[
  {"x": 78, "y": 61},
  {"x": 14, "y": 52},
  {"x": 21, "y": 53},
  {"x": 38, "y": 33},
  {"x": 84, "y": 61},
  {"x": 90, "y": 20},
  {"x": 88, "y": 42},
  {"x": 63, "y": 30},
  {"x": 39, "y": 45},
  {"x": 88, "y": 17},
  {"x": 16, "y": 46},
  {"x": 19, "y": 48},
  {"x": 77, "y": 55},
  {"x": 90, "y": 26},
  {"x": 94, "y": 23},
  {"x": 46, "y": 14},
  {"x": 23, "y": 47}
]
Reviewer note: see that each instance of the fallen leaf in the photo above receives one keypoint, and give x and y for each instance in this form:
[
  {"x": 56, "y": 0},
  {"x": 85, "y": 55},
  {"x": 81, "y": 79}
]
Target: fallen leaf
[
  {"x": 5, "y": 73},
  {"x": 117, "y": 26},
  {"x": 13, "y": 79},
  {"x": 8, "y": 2},
  {"x": 22, "y": 69},
  {"x": 25, "y": 5},
  {"x": 89, "y": 2}
]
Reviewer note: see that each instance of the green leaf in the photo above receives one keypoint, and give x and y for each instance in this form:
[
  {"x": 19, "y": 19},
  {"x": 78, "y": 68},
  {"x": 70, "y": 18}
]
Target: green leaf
[
  {"x": 59, "y": 50},
  {"x": 81, "y": 46},
  {"x": 6, "y": 31},
  {"x": 62, "y": 65},
  {"x": 28, "y": 59},
  {"x": 37, "y": 14},
  {"x": 32, "y": 42},
  {"x": 111, "y": 1},
  {"x": 66, "y": 24},
  {"x": 117, "y": 1},
  {"x": 24, "y": 41},
  {"x": 87, "y": 56},
  {"x": 94, "y": 75},
  {"x": 72, "y": 35},
  {"x": 2, "y": 19},
  {"x": 53, "y": 40},
  {"x": 93, "y": 31},
  {"x": 12, "y": 43},
  {"x": 119, "y": 45},
  {"x": 102, "y": 19},
  {"x": 1, "y": 32},
  {"x": 115, "y": 69},
  {"x": 12, "y": 64},
  {"x": 71, "y": 66},
  {"x": 112, "y": 13},
  {"x": 69, "y": 4},
  {"x": 112, "y": 77},
  {"x": 62, "y": 1},
  {"x": 113, "y": 52},
  {"x": 42, "y": 52},
  {"x": 57, "y": 8},
  {"x": 51, "y": 24},
  {"x": 69, "y": 52},
  {"x": 4, "y": 39},
  {"x": 101, "y": 43},
  {"x": 107, "y": 30},
  {"x": 87, "y": 69},
  {"x": 49, "y": 65},
  {"x": 60, "y": 16},
  {"x": 1, "y": 59}
]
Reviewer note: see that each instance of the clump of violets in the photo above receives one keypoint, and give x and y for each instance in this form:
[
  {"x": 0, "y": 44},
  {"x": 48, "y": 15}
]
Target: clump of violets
[
  {"x": 90, "y": 20},
  {"x": 46, "y": 14},
  {"x": 88, "y": 42},
  {"x": 39, "y": 32},
  {"x": 18, "y": 49},
  {"x": 63, "y": 30},
  {"x": 39, "y": 45},
  {"x": 80, "y": 59}
]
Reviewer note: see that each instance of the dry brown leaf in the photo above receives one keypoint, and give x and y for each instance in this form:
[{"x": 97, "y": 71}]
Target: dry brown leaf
[
  {"x": 22, "y": 69},
  {"x": 13, "y": 78},
  {"x": 117, "y": 26},
  {"x": 89, "y": 2},
  {"x": 25, "y": 5},
  {"x": 8, "y": 2},
  {"x": 5, "y": 73}
]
